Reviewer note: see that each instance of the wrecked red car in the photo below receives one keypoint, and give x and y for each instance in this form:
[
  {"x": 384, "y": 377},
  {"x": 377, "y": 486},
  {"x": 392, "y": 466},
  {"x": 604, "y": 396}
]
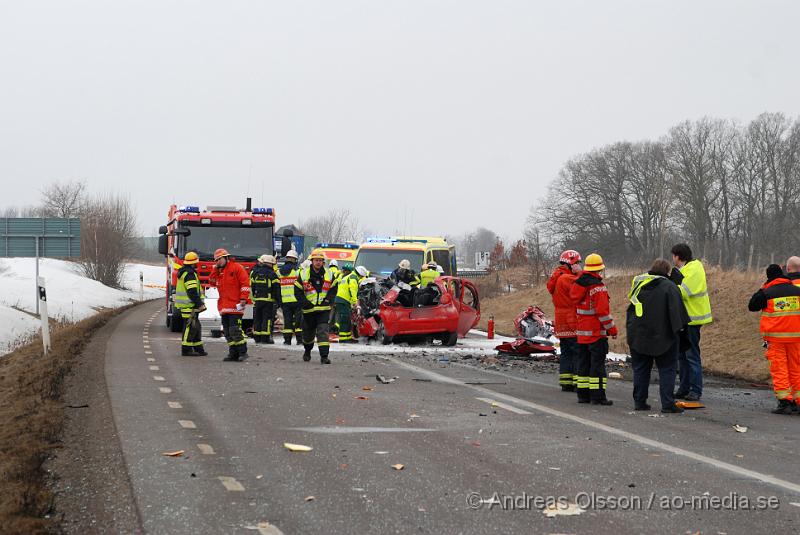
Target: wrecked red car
[{"x": 446, "y": 309}]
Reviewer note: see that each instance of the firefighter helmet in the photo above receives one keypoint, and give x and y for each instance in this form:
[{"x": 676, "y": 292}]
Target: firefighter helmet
[
  {"x": 266, "y": 259},
  {"x": 362, "y": 271},
  {"x": 594, "y": 262},
  {"x": 404, "y": 264},
  {"x": 191, "y": 258},
  {"x": 219, "y": 253},
  {"x": 347, "y": 266},
  {"x": 333, "y": 262},
  {"x": 570, "y": 257},
  {"x": 316, "y": 255},
  {"x": 292, "y": 254}
]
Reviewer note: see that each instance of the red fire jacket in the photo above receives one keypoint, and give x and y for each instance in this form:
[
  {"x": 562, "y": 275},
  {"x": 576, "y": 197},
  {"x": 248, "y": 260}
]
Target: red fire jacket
[
  {"x": 233, "y": 285},
  {"x": 559, "y": 285},
  {"x": 593, "y": 308}
]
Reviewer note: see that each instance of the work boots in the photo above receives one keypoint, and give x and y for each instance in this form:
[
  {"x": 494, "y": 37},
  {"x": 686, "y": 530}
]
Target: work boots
[
  {"x": 187, "y": 351},
  {"x": 784, "y": 407},
  {"x": 323, "y": 355},
  {"x": 307, "y": 353},
  {"x": 287, "y": 339},
  {"x": 268, "y": 339},
  {"x": 200, "y": 351}
]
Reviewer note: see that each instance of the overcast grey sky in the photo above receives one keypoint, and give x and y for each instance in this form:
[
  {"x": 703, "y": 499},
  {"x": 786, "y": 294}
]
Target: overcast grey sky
[{"x": 429, "y": 116}]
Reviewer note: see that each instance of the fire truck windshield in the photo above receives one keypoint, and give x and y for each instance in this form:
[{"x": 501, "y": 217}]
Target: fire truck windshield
[{"x": 243, "y": 243}]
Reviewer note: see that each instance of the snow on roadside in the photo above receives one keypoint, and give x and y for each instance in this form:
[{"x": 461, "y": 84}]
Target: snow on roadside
[{"x": 70, "y": 295}]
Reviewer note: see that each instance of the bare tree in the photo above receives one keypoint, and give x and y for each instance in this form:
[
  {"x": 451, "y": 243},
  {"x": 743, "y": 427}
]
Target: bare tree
[
  {"x": 64, "y": 199},
  {"x": 108, "y": 230},
  {"x": 337, "y": 225}
]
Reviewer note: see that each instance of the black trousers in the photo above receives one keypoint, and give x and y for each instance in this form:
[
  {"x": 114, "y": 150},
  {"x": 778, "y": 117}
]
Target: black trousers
[
  {"x": 292, "y": 318},
  {"x": 315, "y": 326},
  {"x": 642, "y": 367},
  {"x": 263, "y": 312},
  {"x": 591, "y": 370},
  {"x": 232, "y": 330},
  {"x": 567, "y": 361},
  {"x": 191, "y": 330}
]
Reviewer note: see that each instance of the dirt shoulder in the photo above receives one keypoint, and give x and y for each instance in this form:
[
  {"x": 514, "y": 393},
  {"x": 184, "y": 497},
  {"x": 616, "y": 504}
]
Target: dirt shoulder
[
  {"x": 731, "y": 346},
  {"x": 59, "y": 459}
]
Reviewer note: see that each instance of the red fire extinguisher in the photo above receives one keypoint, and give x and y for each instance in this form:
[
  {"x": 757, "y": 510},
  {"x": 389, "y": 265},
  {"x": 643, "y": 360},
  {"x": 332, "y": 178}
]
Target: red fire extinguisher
[{"x": 490, "y": 328}]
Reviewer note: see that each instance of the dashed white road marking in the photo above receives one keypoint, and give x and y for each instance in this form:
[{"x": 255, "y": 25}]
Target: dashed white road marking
[
  {"x": 146, "y": 346},
  {"x": 206, "y": 449},
  {"x": 265, "y": 528},
  {"x": 502, "y": 406},
  {"x": 187, "y": 424},
  {"x": 154, "y": 368},
  {"x": 158, "y": 378},
  {"x": 165, "y": 390},
  {"x": 150, "y": 359},
  {"x": 174, "y": 405},
  {"x": 231, "y": 484},
  {"x": 148, "y": 352},
  {"x": 722, "y": 465}
]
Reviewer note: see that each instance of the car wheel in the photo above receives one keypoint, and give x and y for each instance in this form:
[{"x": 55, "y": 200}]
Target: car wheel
[
  {"x": 450, "y": 339},
  {"x": 381, "y": 335}
]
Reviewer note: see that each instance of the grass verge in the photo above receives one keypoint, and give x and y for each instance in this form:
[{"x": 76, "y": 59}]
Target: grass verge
[
  {"x": 731, "y": 346},
  {"x": 31, "y": 422}
]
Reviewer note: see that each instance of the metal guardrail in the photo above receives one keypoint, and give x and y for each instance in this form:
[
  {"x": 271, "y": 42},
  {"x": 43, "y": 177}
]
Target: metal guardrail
[{"x": 472, "y": 273}]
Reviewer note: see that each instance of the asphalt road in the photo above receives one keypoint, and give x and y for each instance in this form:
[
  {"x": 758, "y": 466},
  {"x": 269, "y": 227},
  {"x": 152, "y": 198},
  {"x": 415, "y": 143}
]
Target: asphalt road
[{"x": 464, "y": 447}]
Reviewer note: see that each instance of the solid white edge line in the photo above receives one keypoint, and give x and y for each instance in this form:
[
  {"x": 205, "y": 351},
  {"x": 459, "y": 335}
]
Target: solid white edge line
[{"x": 722, "y": 465}]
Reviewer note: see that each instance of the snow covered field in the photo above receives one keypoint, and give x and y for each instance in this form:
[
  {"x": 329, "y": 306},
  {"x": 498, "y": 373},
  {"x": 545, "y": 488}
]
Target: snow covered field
[{"x": 70, "y": 295}]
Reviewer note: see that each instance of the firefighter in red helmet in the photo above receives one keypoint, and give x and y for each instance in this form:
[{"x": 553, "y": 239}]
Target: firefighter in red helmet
[{"x": 566, "y": 320}]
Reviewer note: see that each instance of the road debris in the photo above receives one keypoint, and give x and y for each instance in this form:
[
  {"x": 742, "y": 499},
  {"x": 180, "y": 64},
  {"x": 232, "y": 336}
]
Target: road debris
[
  {"x": 398, "y": 466},
  {"x": 367, "y": 388},
  {"x": 361, "y": 397},
  {"x": 296, "y": 447},
  {"x": 690, "y": 405},
  {"x": 381, "y": 452},
  {"x": 177, "y": 453},
  {"x": 557, "y": 509},
  {"x": 384, "y": 380},
  {"x": 615, "y": 375},
  {"x": 740, "y": 428},
  {"x": 309, "y": 499}
]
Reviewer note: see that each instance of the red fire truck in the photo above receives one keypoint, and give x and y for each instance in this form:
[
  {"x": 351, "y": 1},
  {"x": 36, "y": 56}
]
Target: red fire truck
[{"x": 246, "y": 234}]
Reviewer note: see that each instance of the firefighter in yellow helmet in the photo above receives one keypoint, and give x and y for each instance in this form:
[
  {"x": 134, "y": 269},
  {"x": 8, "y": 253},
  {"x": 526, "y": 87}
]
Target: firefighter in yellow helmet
[
  {"x": 189, "y": 300},
  {"x": 315, "y": 290}
]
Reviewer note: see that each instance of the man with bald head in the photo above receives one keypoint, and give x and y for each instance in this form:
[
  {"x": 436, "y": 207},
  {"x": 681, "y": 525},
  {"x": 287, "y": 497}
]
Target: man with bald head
[{"x": 793, "y": 269}]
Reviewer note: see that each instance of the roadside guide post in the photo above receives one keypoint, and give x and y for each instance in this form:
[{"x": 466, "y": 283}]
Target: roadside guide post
[
  {"x": 42, "y": 306},
  {"x": 141, "y": 286}
]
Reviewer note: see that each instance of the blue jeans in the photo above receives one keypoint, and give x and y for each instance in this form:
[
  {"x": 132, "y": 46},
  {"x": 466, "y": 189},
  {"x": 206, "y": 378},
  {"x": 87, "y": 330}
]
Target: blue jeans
[
  {"x": 643, "y": 365},
  {"x": 690, "y": 368}
]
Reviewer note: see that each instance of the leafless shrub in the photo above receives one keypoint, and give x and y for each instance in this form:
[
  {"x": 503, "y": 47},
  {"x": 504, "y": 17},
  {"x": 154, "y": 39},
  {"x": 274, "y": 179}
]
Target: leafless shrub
[
  {"x": 337, "y": 225},
  {"x": 108, "y": 228}
]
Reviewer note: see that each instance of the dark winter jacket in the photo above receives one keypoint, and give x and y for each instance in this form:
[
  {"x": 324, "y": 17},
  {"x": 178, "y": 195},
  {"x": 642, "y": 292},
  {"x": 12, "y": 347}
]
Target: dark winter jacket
[
  {"x": 663, "y": 317},
  {"x": 191, "y": 291},
  {"x": 404, "y": 275},
  {"x": 264, "y": 283}
]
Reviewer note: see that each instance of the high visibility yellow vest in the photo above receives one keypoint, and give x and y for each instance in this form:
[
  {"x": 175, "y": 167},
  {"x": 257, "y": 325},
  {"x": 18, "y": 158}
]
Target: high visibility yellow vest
[
  {"x": 428, "y": 276},
  {"x": 287, "y": 286},
  {"x": 639, "y": 282},
  {"x": 348, "y": 288},
  {"x": 182, "y": 300},
  {"x": 314, "y": 297},
  {"x": 694, "y": 291}
]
